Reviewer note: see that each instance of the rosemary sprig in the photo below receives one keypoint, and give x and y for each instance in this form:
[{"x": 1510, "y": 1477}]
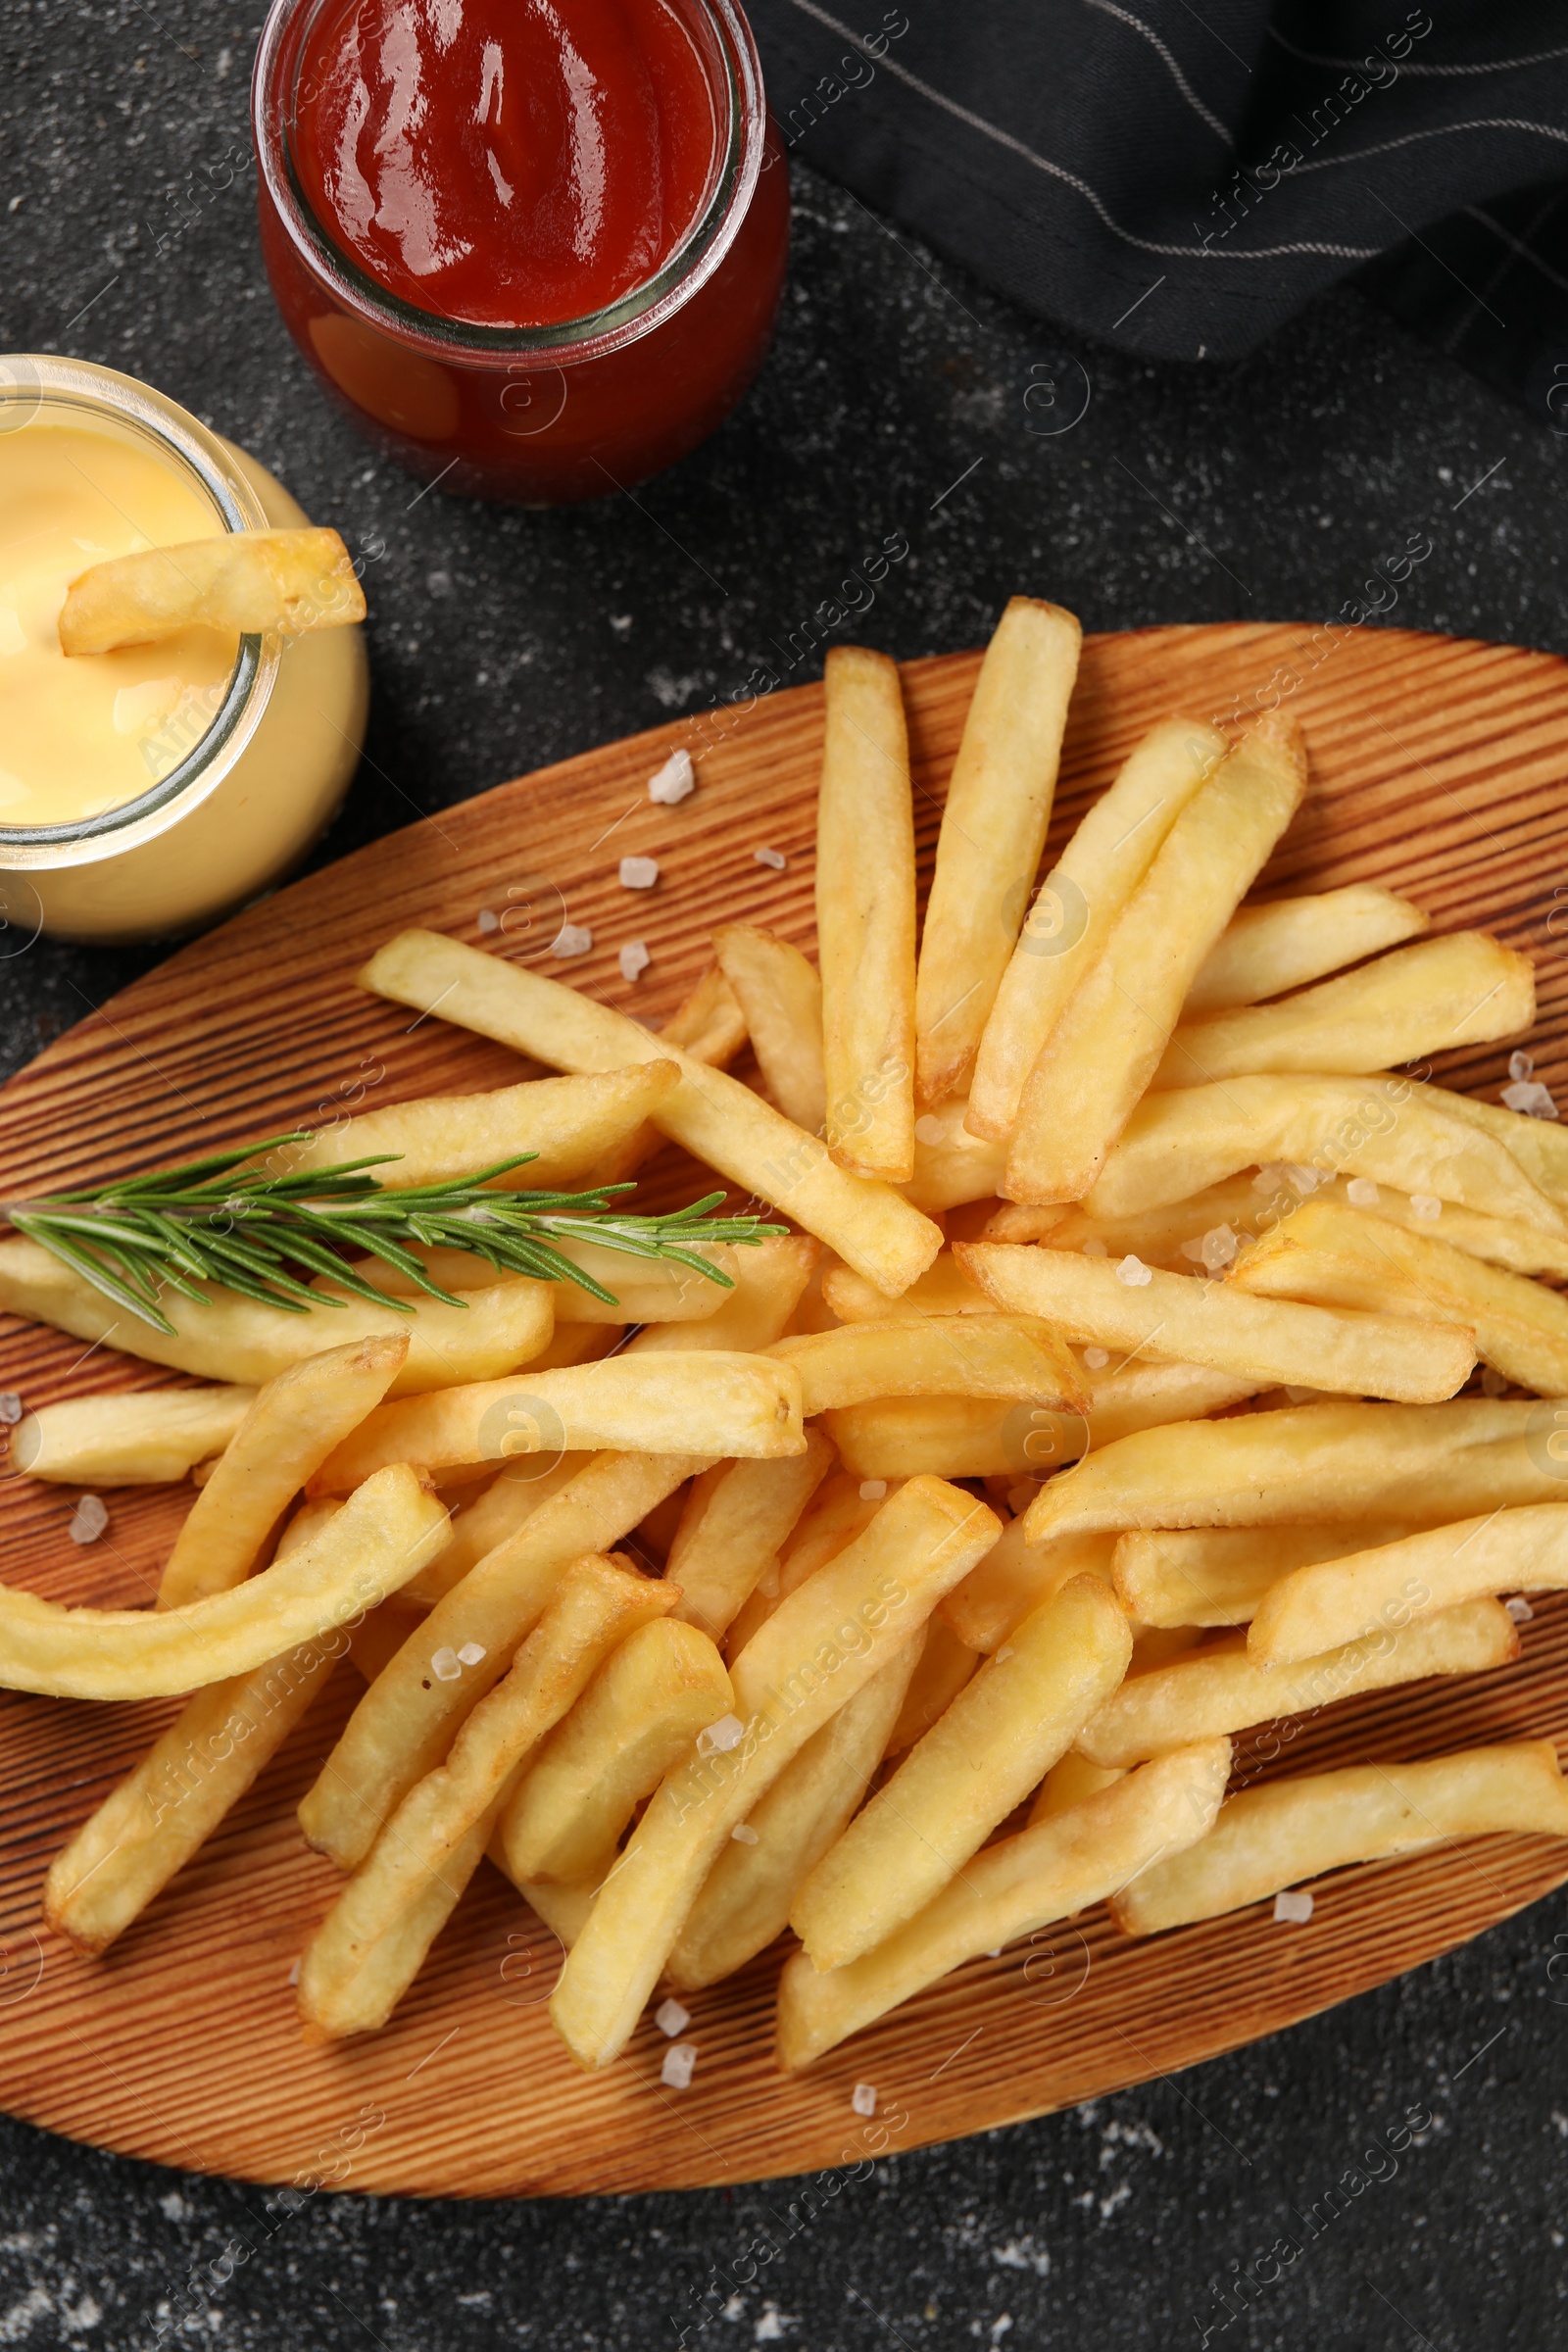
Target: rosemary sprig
[{"x": 245, "y": 1231}]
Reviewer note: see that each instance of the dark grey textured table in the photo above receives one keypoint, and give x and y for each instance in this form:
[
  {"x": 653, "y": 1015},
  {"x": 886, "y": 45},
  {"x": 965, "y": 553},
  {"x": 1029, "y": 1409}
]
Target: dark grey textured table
[{"x": 899, "y": 397}]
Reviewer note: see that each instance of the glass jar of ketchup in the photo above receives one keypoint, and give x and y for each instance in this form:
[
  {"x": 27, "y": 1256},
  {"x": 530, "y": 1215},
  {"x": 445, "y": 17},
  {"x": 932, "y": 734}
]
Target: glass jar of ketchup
[{"x": 535, "y": 251}]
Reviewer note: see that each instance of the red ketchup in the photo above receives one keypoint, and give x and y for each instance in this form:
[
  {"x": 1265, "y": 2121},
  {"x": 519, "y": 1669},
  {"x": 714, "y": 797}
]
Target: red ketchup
[{"x": 535, "y": 247}]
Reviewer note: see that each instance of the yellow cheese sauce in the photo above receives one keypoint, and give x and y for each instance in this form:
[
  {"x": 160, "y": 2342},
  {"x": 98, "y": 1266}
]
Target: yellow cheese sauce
[{"x": 86, "y": 734}]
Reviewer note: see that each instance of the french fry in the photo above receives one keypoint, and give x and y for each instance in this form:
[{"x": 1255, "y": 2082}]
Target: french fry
[
  {"x": 865, "y": 918},
  {"x": 780, "y": 996},
  {"x": 770, "y": 1279},
  {"x": 1336, "y": 1256},
  {"x": 1288, "y": 942},
  {"x": 745, "y": 1898},
  {"x": 1460, "y": 990},
  {"x": 295, "y": 1422},
  {"x": 838, "y": 1513},
  {"x": 1540, "y": 1145},
  {"x": 999, "y": 1737},
  {"x": 1388, "y": 1129},
  {"x": 1070, "y": 1782},
  {"x": 993, "y": 830},
  {"x": 944, "y": 1289},
  {"x": 1174, "y": 1319},
  {"x": 152, "y": 1438},
  {"x": 819, "y": 1649},
  {"x": 1331, "y": 1462},
  {"x": 404, "y": 1723},
  {"x": 952, "y": 1166},
  {"x": 632, "y": 1724},
  {"x": 564, "y": 1909},
  {"x": 1018, "y": 1576},
  {"x": 1079, "y": 906},
  {"x": 257, "y": 582},
  {"x": 729, "y": 1404},
  {"x": 380, "y": 1537},
  {"x": 943, "y": 1666},
  {"x": 581, "y": 1344},
  {"x": 1026, "y": 1221},
  {"x": 644, "y": 1289},
  {"x": 164, "y": 1811},
  {"x": 1500, "y": 1241},
  {"x": 871, "y": 1226},
  {"x": 939, "y": 1355},
  {"x": 1287, "y": 1830},
  {"x": 1220, "y": 1688},
  {"x": 1052, "y": 1871},
  {"x": 1323, "y": 1605},
  {"x": 1106, "y": 1047},
  {"x": 711, "y": 1027},
  {"x": 1209, "y": 1576},
  {"x": 493, "y": 1515},
  {"x": 736, "y": 1518},
  {"x": 370, "y": 1948},
  {"x": 1171, "y": 1234}
]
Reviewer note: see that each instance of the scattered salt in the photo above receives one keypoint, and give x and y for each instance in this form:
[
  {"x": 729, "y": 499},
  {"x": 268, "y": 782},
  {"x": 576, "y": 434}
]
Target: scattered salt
[
  {"x": 1270, "y": 1176},
  {"x": 1003, "y": 1653},
  {"x": 743, "y": 1834},
  {"x": 1519, "y": 1608},
  {"x": 1521, "y": 1065},
  {"x": 10, "y": 1408},
  {"x": 294, "y": 1974},
  {"x": 634, "y": 960},
  {"x": 720, "y": 1737},
  {"x": 573, "y": 939},
  {"x": 1097, "y": 1359},
  {"x": 1193, "y": 1251},
  {"x": 489, "y": 920},
  {"x": 773, "y": 858},
  {"x": 88, "y": 1520},
  {"x": 1532, "y": 1098},
  {"x": 1095, "y": 1247},
  {"x": 1218, "y": 1248},
  {"x": 680, "y": 2060},
  {"x": 1426, "y": 1207},
  {"x": 671, "y": 2019},
  {"x": 471, "y": 1654},
  {"x": 639, "y": 873},
  {"x": 1493, "y": 1383},
  {"x": 1362, "y": 1192},
  {"x": 446, "y": 1665},
  {"x": 1302, "y": 1179},
  {"x": 929, "y": 1130},
  {"x": 1133, "y": 1272},
  {"x": 1302, "y": 1396},
  {"x": 872, "y": 1490},
  {"x": 862, "y": 2098},
  {"x": 1292, "y": 1909},
  {"x": 674, "y": 780}
]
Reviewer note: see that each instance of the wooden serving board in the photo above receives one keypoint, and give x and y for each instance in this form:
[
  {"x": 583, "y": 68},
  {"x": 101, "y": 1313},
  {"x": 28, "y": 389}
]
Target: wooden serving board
[{"x": 1439, "y": 769}]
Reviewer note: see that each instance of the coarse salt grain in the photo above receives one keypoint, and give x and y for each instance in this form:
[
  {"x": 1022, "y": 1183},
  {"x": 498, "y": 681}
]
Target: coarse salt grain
[
  {"x": 639, "y": 873},
  {"x": 1362, "y": 1192},
  {"x": 1519, "y": 1608},
  {"x": 1532, "y": 1098},
  {"x": 1291, "y": 1908},
  {"x": 471, "y": 1654},
  {"x": 743, "y": 1834},
  {"x": 489, "y": 920},
  {"x": 634, "y": 960},
  {"x": 446, "y": 1665},
  {"x": 88, "y": 1520},
  {"x": 294, "y": 1974},
  {"x": 671, "y": 2019},
  {"x": 872, "y": 1490},
  {"x": 1302, "y": 1179},
  {"x": 1218, "y": 1248},
  {"x": 573, "y": 939},
  {"x": 1133, "y": 1272},
  {"x": 862, "y": 2098},
  {"x": 1193, "y": 1251},
  {"x": 1094, "y": 1247},
  {"x": 928, "y": 1130},
  {"x": 680, "y": 2060},
  {"x": 1426, "y": 1207},
  {"x": 10, "y": 1408},
  {"x": 720, "y": 1737},
  {"x": 1097, "y": 1359},
  {"x": 1521, "y": 1065},
  {"x": 773, "y": 858},
  {"x": 674, "y": 780}
]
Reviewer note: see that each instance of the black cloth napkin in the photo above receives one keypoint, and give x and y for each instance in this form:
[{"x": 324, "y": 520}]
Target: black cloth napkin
[{"x": 1178, "y": 177}]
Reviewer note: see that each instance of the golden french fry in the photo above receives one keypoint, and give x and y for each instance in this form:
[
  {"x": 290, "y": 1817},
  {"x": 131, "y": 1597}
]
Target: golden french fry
[
  {"x": 1001, "y": 1734},
  {"x": 564, "y": 1909},
  {"x": 257, "y": 582},
  {"x": 1018, "y": 1576},
  {"x": 770, "y": 1278},
  {"x": 404, "y": 1723},
  {"x": 953, "y": 1166},
  {"x": 1052, "y": 1871},
  {"x": 368, "y": 1948},
  {"x": 1070, "y": 1782},
  {"x": 840, "y": 1512},
  {"x": 937, "y": 1355},
  {"x": 993, "y": 830},
  {"x": 633, "y": 1724},
  {"x": 1500, "y": 1241},
  {"x": 1389, "y": 1129},
  {"x": 711, "y": 1027},
  {"x": 865, "y": 918},
  {"x": 745, "y": 1898},
  {"x": 1324, "y": 1604},
  {"x": 644, "y": 1289},
  {"x": 730, "y": 1404},
  {"x": 871, "y": 1226},
  {"x": 1219, "y": 1687},
  {"x": 1285, "y": 944},
  {"x": 1462, "y": 990},
  {"x": 1108, "y": 1041},
  {"x": 150, "y": 1438},
  {"x": 295, "y": 1422},
  {"x": 164, "y": 1811},
  {"x": 380, "y": 1537},
  {"x": 1287, "y": 1830},
  {"x": 1173, "y": 1318},
  {"x": 1327, "y": 1462},
  {"x": 1540, "y": 1145},
  {"x": 780, "y": 996},
  {"x": 581, "y": 1344},
  {"x": 1025, "y": 1221},
  {"x": 1205, "y": 1231},
  {"x": 1337, "y": 1256},
  {"x": 943, "y": 1665},
  {"x": 1207, "y": 1576},
  {"x": 944, "y": 1289},
  {"x": 496, "y": 1513},
  {"x": 819, "y": 1649},
  {"x": 1079, "y": 906},
  {"x": 736, "y": 1518}
]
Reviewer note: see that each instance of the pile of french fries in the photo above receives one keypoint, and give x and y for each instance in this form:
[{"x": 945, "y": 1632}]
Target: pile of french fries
[{"x": 1104, "y": 1404}]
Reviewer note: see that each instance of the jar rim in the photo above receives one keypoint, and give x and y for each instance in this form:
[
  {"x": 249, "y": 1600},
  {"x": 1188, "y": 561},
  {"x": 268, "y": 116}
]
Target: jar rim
[
  {"x": 562, "y": 341},
  {"x": 31, "y": 382}
]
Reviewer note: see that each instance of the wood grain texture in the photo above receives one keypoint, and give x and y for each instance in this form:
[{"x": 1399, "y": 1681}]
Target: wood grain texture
[{"x": 1438, "y": 768}]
